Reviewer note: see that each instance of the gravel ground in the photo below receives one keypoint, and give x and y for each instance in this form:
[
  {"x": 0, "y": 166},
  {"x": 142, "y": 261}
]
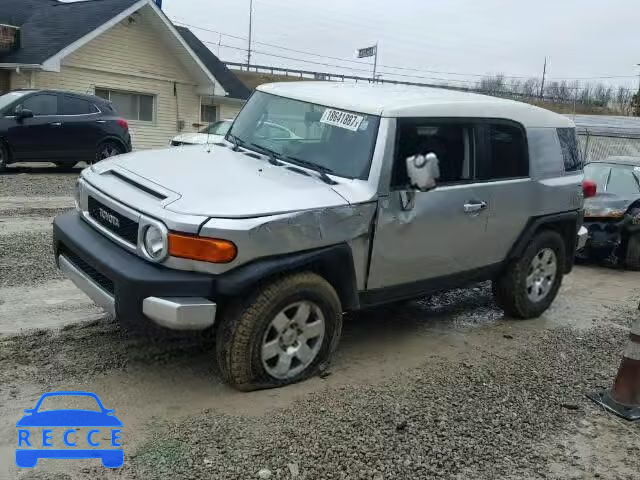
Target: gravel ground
[
  {"x": 487, "y": 417},
  {"x": 27, "y": 259},
  {"x": 38, "y": 181}
]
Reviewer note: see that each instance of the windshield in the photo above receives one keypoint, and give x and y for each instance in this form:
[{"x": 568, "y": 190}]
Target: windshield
[
  {"x": 620, "y": 180},
  {"x": 9, "y": 98},
  {"x": 217, "y": 128},
  {"x": 334, "y": 140}
]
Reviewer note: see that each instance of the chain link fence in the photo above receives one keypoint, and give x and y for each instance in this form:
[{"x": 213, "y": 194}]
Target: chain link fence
[{"x": 601, "y": 137}]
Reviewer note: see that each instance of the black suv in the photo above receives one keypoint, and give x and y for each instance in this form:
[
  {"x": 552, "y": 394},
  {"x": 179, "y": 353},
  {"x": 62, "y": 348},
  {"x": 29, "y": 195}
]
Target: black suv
[{"x": 59, "y": 127}]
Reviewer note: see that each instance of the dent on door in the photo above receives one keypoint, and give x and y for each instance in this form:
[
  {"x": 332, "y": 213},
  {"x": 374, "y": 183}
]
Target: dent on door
[{"x": 422, "y": 235}]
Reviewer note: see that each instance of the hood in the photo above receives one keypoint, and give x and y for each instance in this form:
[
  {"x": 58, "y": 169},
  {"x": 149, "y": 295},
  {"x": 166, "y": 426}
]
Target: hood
[
  {"x": 215, "y": 181},
  {"x": 610, "y": 200},
  {"x": 197, "y": 138}
]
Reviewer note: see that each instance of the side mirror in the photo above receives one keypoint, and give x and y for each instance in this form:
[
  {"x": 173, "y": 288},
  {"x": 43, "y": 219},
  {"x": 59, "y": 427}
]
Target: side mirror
[
  {"x": 22, "y": 113},
  {"x": 423, "y": 171}
]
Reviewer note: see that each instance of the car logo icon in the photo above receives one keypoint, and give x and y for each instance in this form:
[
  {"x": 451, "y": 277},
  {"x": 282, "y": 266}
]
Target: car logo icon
[{"x": 69, "y": 425}]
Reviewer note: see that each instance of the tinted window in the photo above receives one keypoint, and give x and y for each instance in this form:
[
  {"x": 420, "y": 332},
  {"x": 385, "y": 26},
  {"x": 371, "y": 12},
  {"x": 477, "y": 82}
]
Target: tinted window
[
  {"x": 451, "y": 142},
  {"x": 506, "y": 153},
  {"x": 77, "y": 106},
  {"x": 623, "y": 181},
  {"x": 570, "y": 153},
  {"x": 42, "y": 104}
]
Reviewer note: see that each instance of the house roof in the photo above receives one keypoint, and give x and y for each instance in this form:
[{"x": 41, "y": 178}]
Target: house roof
[
  {"x": 51, "y": 29},
  {"x": 48, "y": 26},
  {"x": 234, "y": 87},
  {"x": 411, "y": 101}
]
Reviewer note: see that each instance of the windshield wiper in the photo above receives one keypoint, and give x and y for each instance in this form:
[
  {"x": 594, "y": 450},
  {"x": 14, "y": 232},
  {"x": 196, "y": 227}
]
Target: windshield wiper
[
  {"x": 272, "y": 154},
  {"x": 322, "y": 171},
  {"x": 237, "y": 142}
]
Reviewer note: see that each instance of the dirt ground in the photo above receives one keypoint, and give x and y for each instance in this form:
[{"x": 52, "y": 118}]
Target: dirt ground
[{"x": 442, "y": 387}]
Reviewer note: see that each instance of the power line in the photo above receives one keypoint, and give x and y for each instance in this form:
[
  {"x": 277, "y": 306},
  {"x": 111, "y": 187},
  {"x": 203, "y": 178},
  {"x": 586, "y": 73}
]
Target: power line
[{"x": 395, "y": 67}]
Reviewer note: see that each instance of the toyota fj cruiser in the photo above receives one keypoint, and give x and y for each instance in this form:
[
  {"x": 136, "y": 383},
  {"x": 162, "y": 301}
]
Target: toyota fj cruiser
[{"x": 383, "y": 194}]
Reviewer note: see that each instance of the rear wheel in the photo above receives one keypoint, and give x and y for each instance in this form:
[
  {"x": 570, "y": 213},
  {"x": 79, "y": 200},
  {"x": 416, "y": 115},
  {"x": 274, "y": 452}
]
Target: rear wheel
[
  {"x": 4, "y": 157},
  {"x": 632, "y": 257},
  {"x": 530, "y": 284},
  {"x": 283, "y": 333},
  {"x": 108, "y": 149}
]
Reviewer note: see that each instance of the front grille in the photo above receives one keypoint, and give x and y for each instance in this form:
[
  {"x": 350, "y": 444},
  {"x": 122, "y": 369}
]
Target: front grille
[
  {"x": 113, "y": 221},
  {"x": 88, "y": 270}
]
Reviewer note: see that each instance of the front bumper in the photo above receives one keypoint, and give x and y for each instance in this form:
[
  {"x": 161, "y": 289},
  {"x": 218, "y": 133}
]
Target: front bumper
[{"x": 128, "y": 287}]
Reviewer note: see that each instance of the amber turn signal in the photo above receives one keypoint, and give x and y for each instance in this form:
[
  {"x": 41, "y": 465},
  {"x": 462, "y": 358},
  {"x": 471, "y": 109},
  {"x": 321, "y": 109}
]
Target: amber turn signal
[{"x": 201, "y": 248}]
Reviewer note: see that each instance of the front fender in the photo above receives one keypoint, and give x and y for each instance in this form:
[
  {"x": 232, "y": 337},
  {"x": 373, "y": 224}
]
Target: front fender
[{"x": 334, "y": 263}]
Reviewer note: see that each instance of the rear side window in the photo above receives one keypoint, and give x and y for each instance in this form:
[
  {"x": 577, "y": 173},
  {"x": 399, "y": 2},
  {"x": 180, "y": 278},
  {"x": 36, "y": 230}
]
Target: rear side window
[
  {"x": 77, "y": 106},
  {"x": 42, "y": 104},
  {"x": 506, "y": 154},
  {"x": 570, "y": 152}
]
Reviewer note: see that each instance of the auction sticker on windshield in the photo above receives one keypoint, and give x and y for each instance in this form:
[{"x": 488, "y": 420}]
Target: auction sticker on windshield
[{"x": 341, "y": 119}]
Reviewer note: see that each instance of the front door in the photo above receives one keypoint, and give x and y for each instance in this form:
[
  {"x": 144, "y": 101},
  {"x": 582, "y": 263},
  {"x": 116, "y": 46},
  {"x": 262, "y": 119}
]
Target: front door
[
  {"x": 39, "y": 137},
  {"x": 424, "y": 235}
]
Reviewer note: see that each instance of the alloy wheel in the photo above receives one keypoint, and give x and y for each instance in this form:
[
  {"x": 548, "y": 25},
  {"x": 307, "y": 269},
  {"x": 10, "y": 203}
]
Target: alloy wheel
[
  {"x": 542, "y": 274},
  {"x": 292, "y": 340}
]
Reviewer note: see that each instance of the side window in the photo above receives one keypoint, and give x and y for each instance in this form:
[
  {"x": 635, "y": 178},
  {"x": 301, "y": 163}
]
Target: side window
[
  {"x": 451, "y": 142},
  {"x": 77, "y": 106},
  {"x": 506, "y": 155},
  {"x": 42, "y": 104},
  {"x": 623, "y": 182},
  {"x": 570, "y": 153}
]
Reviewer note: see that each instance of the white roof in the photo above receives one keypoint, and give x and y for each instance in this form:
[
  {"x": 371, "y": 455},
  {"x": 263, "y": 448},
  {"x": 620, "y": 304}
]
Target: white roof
[{"x": 408, "y": 101}]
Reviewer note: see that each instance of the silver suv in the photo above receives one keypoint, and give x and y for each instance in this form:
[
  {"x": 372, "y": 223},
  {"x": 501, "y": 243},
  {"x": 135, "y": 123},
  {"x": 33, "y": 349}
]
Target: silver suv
[{"x": 382, "y": 194}]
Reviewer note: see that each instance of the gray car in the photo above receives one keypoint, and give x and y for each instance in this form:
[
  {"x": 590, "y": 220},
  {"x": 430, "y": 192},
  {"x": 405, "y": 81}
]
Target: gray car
[
  {"x": 612, "y": 214},
  {"x": 383, "y": 194}
]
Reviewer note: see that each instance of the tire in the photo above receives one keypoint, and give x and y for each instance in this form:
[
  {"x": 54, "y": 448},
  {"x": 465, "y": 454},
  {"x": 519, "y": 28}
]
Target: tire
[
  {"x": 249, "y": 323},
  {"x": 511, "y": 290},
  {"x": 108, "y": 149},
  {"x": 632, "y": 255},
  {"x": 4, "y": 157}
]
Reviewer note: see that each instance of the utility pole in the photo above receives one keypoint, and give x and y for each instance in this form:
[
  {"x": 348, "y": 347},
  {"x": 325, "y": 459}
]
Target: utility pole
[
  {"x": 544, "y": 74},
  {"x": 375, "y": 63},
  {"x": 250, "y": 32}
]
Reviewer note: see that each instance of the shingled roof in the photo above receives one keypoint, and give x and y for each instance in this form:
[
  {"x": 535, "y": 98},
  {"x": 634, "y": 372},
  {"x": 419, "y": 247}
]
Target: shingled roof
[
  {"x": 234, "y": 87},
  {"x": 47, "y": 27}
]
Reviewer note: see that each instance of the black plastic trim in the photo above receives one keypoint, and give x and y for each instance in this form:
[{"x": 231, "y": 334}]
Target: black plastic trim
[
  {"x": 567, "y": 224},
  {"x": 417, "y": 289}
]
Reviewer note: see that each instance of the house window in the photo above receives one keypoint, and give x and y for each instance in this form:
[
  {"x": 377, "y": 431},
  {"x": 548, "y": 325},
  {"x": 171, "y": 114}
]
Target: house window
[
  {"x": 208, "y": 113},
  {"x": 132, "y": 106}
]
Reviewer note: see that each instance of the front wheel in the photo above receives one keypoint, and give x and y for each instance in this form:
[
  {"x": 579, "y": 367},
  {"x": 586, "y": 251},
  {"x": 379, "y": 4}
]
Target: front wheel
[
  {"x": 283, "y": 333},
  {"x": 632, "y": 257},
  {"x": 529, "y": 284},
  {"x": 108, "y": 149}
]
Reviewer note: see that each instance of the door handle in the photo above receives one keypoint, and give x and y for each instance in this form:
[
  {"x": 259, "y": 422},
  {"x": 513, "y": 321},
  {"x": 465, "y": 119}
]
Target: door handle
[
  {"x": 474, "y": 207},
  {"x": 101, "y": 121},
  {"x": 56, "y": 124}
]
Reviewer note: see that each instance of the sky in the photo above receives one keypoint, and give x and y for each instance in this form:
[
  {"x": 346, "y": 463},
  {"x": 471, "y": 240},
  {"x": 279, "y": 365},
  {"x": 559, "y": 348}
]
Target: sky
[{"x": 580, "y": 38}]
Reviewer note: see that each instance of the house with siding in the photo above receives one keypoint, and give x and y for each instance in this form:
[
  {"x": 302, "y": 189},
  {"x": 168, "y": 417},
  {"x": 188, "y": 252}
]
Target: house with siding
[{"x": 161, "y": 78}]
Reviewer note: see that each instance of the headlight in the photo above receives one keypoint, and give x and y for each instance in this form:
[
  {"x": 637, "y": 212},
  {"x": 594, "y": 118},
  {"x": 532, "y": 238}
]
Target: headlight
[{"x": 154, "y": 242}]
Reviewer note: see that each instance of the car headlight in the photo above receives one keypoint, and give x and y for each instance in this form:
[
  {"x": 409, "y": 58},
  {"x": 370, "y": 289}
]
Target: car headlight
[{"x": 154, "y": 242}]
